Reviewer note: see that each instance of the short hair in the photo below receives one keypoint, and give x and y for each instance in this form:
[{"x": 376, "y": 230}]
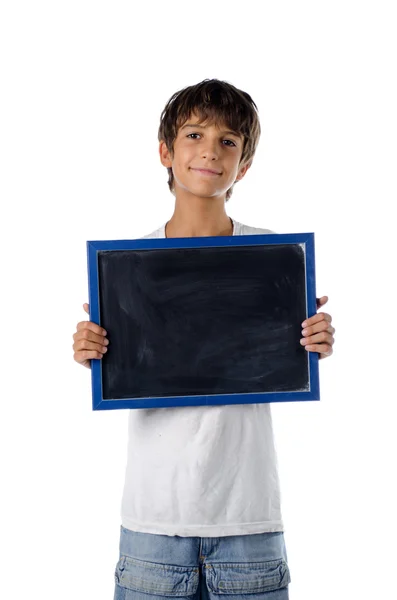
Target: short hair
[{"x": 216, "y": 101}]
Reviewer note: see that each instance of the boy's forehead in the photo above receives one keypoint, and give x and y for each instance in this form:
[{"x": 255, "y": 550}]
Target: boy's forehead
[{"x": 195, "y": 119}]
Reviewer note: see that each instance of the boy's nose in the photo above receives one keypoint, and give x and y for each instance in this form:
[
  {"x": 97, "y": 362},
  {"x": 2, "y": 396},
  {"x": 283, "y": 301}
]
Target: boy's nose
[{"x": 210, "y": 153}]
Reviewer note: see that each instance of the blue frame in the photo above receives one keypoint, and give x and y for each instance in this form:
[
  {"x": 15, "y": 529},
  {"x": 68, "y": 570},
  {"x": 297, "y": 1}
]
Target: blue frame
[{"x": 304, "y": 239}]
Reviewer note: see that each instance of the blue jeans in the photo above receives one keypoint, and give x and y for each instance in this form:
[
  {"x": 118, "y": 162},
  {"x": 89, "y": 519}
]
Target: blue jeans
[{"x": 155, "y": 566}]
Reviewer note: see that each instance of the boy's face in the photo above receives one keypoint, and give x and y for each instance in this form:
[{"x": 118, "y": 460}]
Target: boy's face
[{"x": 205, "y": 146}]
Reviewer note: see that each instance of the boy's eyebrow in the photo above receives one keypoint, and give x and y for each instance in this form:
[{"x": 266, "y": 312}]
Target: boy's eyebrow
[{"x": 229, "y": 132}]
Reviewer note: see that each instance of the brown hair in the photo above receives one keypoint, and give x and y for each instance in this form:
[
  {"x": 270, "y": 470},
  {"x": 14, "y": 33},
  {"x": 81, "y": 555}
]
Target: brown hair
[{"x": 217, "y": 101}]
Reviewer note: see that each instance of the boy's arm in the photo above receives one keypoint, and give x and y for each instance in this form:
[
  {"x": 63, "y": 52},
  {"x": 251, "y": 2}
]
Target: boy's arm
[{"x": 318, "y": 332}]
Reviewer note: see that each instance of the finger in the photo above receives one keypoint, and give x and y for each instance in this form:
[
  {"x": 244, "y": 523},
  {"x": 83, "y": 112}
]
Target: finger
[
  {"x": 320, "y": 326},
  {"x": 322, "y": 349},
  {"x": 326, "y": 354},
  {"x": 84, "y": 355},
  {"x": 91, "y": 327},
  {"x": 88, "y": 335},
  {"x": 316, "y": 319},
  {"x": 321, "y": 301},
  {"x": 82, "y": 345},
  {"x": 86, "y": 308},
  {"x": 318, "y": 338}
]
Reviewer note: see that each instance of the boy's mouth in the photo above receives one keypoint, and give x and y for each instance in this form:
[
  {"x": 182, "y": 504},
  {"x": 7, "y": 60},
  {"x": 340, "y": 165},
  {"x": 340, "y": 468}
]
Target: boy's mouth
[{"x": 206, "y": 171}]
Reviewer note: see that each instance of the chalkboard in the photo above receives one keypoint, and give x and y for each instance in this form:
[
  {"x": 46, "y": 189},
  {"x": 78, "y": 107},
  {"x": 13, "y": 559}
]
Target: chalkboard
[{"x": 198, "y": 321}]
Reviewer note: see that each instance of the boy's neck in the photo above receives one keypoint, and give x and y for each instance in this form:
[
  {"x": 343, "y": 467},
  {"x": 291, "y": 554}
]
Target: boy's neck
[{"x": 198, "y": 221}]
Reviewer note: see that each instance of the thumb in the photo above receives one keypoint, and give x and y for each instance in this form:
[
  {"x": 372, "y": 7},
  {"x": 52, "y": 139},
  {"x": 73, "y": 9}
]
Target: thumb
[
  {"x": 321, "y": 301},
  {"x": 86, "y": 308}
]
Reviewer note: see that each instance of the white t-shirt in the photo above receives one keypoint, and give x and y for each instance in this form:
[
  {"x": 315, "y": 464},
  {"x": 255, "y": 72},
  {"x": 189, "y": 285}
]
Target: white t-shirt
[{"x": 202, "y": 471}]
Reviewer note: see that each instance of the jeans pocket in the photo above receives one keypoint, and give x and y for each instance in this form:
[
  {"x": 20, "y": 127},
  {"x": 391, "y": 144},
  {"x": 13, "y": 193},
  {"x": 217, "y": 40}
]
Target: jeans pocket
[
  {"x": 247, "y": 578},
  {"x": 155, "y": 578}
]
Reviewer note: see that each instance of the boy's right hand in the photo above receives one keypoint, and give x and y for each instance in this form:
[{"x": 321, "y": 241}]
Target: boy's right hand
[{"x": 89, "y": 341}]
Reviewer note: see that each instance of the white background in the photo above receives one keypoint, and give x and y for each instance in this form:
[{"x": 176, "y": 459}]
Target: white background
[{"x": 82, "y": 88}]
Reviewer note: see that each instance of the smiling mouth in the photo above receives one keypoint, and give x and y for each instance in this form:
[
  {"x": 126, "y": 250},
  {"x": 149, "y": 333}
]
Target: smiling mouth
[{"x": 206, "y": 172}]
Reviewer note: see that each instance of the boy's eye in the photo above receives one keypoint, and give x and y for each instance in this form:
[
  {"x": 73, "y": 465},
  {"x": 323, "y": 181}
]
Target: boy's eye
[{"x": 223, "y": 140}]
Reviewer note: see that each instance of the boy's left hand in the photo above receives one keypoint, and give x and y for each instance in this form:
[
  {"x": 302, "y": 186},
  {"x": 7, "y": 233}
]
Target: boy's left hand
[{"x": 318, "y": 332}]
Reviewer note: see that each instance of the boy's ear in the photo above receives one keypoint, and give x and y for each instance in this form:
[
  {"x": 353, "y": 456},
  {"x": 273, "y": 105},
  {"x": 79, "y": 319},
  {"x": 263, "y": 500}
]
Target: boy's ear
[
  {"x": 165, "y": 154},
  {"x": 242, "y": 171}
]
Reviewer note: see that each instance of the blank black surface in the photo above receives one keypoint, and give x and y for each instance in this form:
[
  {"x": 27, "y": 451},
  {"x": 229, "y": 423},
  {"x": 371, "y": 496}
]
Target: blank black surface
[{"x": 200, "y": 321}]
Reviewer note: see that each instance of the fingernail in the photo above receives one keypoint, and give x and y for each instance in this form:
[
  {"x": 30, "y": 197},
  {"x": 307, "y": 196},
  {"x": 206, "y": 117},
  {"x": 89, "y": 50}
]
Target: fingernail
[
  {"x": 304, "y": 323},
  {"x": 304, "y": 331}
]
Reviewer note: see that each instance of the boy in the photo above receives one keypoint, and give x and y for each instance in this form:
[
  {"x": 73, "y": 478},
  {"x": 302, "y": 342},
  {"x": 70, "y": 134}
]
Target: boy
[{"x": 201, "y": 504}]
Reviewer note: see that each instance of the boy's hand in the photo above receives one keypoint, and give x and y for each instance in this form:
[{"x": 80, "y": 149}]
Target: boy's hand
[
  {"x": 89, "y": 341},
  {"x": 318, "y": 332}
]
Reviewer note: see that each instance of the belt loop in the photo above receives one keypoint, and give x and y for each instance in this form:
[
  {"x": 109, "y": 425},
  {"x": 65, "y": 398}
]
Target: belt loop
[{"x": 201, "y": 557}]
